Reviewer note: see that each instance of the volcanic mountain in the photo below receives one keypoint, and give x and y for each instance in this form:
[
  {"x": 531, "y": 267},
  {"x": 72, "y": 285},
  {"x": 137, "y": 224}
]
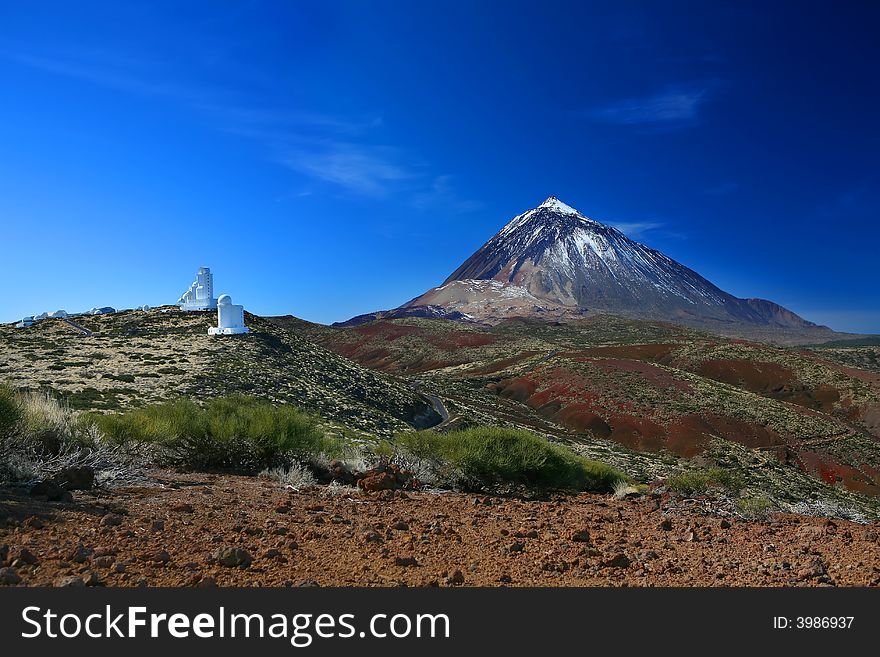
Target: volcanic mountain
[{"x": 554, "y": 262}]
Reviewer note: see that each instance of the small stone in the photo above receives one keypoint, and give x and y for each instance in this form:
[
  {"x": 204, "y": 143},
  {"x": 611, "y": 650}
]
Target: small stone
[
  {"x": 456, "y": 578},
  {"x": 183, "y": 508},
  {"x": 79, "y": 554},
  {"x": 51, "y": 491},
  {"x": 34, "y": 523},
  {"x": 666, "y": 525},
  {"x": 70, "y": 582},
  {"x": 582, "y": 536},
  {"x": 158, "y": 525},
  {"x": 233, "y": 557},
  {"x": 619, "y": 560},
  {"x": 272, "y": 553},
  {"x": 207, "y": 582},
  {"x": 161, "y": 556},
  {"x": 93, "y": 580},
  {"x": 103, "y": 562},
  {"x": 76, "y": 478},
  {"x": 27, "y": 557},
  {"x": 725, "y": 524},
  {"x": 516, "y": 546},
  {"x": 372, "y": 537},
  {"x": 405, "y": 561},
  {"x": 111, "y": 520},
  {"x": 400, "y": 526},
  {"x": 8, "y": 577}
]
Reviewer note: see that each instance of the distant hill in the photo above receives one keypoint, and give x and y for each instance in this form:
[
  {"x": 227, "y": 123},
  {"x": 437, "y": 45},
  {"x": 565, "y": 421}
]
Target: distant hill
[{"x": 135, "y": 357}]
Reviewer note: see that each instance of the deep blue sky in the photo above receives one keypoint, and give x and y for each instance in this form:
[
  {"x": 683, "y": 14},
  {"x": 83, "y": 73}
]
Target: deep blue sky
[{"x": 331, "y": 158}]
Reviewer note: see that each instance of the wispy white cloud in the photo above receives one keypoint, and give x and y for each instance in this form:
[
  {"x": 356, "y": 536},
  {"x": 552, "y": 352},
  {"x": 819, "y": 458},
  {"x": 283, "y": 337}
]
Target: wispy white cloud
[
  {"x": 636, "y": 228},
  {"x": 324, "y": 148},
  {"x": 674, "y": 106},
  {"x": 107, "y": 75},
  {"x": 350, "y": 166}
]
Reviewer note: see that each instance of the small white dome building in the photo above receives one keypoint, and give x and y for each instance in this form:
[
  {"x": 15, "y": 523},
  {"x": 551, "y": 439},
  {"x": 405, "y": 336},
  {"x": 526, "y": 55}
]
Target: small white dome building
[{"x": 230, "y": 318}]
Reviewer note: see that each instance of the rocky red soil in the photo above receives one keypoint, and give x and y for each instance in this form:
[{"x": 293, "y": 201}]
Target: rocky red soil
[{"x": 205, "y": 530}]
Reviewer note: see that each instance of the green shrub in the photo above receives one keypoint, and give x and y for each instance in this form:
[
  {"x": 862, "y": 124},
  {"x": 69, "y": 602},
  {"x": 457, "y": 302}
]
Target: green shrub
[
  {"x": 235, "y": 433},
  {"x": 491, "y": 458},
  {"x": 756, "y": 507},
  {"x": 699, "y": 482},
  {"x": 10, "y": 413}
]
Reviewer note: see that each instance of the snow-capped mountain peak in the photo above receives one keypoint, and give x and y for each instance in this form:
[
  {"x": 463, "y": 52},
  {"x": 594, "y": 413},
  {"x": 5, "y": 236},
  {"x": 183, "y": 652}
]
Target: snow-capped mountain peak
[
  {"x": 553, "y": 203},
  {"x": 553, "y": 261},
  {"x": 563, "y": 258}
]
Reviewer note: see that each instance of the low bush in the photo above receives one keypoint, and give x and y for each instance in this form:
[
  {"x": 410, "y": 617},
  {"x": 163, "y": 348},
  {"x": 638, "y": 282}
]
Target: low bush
[
  {"x": 491, "y": 458},
  {"x": 10, "y": 413},
  {"x": 235, "y": 433},
  {"x": 700, "y": 482},
  {"x": 40, "y": 437},
  {"x": 755, "y": 507}
]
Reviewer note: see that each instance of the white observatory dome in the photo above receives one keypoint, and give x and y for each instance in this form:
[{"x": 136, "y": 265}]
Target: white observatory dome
[{"x": 224, "y": 300}]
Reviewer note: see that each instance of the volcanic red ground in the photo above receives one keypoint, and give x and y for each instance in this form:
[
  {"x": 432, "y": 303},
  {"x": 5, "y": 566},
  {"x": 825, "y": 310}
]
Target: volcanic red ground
[{"x": 166, "y": 536}]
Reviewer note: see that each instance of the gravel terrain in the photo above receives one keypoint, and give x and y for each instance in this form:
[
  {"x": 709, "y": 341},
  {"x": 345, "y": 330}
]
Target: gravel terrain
[{"x": 218, "y": 530}]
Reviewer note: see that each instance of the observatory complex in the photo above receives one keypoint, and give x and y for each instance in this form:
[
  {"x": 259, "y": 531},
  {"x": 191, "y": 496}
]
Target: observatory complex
[{"x": 200, "y": 296}]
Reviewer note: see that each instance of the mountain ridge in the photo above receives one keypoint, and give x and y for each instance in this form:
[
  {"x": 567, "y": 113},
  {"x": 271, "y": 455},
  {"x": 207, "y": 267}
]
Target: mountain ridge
[{"x": 552, "y": 261}]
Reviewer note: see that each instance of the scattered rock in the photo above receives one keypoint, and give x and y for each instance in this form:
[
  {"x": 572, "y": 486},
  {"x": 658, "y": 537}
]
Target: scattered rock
[
  {"x": 810, "y": 532},
  {"x": 725, "y": 524},
  {"x": 387, "y": 476},
  {"x": 405, "y": 561},
  {"x": 400, "y": 526},
  {"x": 51, "y": 491},
  {"x": 25, "y": 556},
  {"x": 111, "y": 520},
  {"x": 160, "y": 556},
  {"x": 76, "y": 478},
  {"x": 582, "y": 536},
  {"x": 79, "y": 554},
  {"x": 339, "y": 472},
  {"x": 456, "y": 578},
  {"x": 34, "y": 523},
  {"x": 8, "y": 577},
  {"x": 232, "y": 557},
  {"x": 516, "y": 546},
  {"x": 372, "y": 537},
  {"x": 666, "y": 525},
  {"x": 619, "y": 560},
  {"x": 70, "y": 582}
]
